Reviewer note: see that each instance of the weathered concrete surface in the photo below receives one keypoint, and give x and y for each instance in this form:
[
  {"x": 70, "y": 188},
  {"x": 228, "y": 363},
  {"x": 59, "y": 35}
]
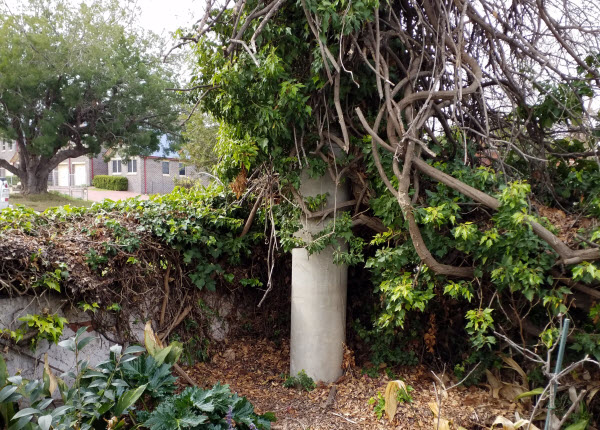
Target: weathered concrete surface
[
  {"x": 318, "y": 315},
  {"x": 318, "y": 319},
  {"x": 31, "y": 363},
  {"x": 221, "y": 313}
]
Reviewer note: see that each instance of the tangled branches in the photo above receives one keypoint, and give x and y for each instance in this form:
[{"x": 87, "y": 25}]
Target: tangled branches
[
  {"x": 132, "y": 259},
  {"x": 488, "y": 81}
]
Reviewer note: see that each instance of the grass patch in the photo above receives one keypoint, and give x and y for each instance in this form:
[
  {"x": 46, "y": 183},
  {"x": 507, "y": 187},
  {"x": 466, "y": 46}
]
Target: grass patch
[{"x": 41, "y": 202}]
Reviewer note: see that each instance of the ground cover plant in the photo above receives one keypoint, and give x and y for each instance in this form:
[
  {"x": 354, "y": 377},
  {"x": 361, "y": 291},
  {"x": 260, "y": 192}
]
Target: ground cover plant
[{"x": 106, "y": 395}]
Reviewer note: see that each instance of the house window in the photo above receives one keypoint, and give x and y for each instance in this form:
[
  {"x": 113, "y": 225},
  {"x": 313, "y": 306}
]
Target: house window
[
  {"x": 165, "y": 167},
  {"x": 181, "y": 169},
  {"x": 10, "y": 146},
  {"x": 132, "y": 166},
  {"x": 116, "y": 166},
  {"x": 3, "y": 145}
]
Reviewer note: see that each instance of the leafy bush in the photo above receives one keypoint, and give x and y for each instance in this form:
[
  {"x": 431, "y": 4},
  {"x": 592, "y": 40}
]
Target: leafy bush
[
  {"x": 107, "y": 182},
  {"x": 144, "y": 370},
  {"x": 214, "y": 409},
  {"x": 96, "y": 394},
  {"x": 106, "y": 393}
]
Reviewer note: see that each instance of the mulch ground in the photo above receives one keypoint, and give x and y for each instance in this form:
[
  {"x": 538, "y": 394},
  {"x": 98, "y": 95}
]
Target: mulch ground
[{"x": 253, "y": 368}]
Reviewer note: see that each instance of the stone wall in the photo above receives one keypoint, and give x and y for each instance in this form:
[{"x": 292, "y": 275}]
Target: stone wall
[{"x": 30, "y": 363}]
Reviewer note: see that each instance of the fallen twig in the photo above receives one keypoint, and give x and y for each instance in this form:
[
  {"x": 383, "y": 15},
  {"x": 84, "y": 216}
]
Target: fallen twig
[
  {"x": 341, "y": 416},
  {"x": 175, "y": 323},
  {"x": 184, "y": 375},
  {"x": 166, "y": 299}
]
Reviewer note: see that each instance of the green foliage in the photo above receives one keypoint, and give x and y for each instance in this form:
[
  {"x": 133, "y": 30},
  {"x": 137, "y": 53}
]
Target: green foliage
[
  {"x": 52, "y": 279},
  {"x": 199, "y": 141},
  {"x": 386, "y": 347},
  {"x": 107, "y": 182},
  {"x": 14, "y": 335},
  {"x": 98, "y": 393},
  {"x": 145, "y": 371},
  {"x": 48, "y": 327},
  {"x": 91, "y": 307},
  {"x": 513, "y": 270},
  {"x": 479, "y": 322},
  {"x": 198, "y": 409},
  {"x": 403, "y": 395},
  {"x": 301, "y": 381},
  {"x": 317, "y": 202},
  {"x": 339, "y": 231},
  {"x": 203, "y": 224},
  {"x": 58, "y": 88},
  {"x": 378, "y": 404},
  {"x": 474, "y": 365}
]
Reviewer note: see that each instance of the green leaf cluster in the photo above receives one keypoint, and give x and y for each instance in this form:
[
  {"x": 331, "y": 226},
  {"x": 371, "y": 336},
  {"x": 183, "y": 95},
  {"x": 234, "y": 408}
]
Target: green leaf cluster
[
  {"x": 107, "y": 182},
  {"x": 198, "y": 409}
]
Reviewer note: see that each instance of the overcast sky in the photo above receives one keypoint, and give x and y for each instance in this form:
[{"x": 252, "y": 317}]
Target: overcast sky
[
  {"x": 160, "y": 16},
  {"x": 164, "y": 16}
]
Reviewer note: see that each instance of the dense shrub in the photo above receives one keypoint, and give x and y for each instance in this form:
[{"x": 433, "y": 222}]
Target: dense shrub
[
  {"x": 106, "y": 182},
  {"x": 108, "y": 392}
]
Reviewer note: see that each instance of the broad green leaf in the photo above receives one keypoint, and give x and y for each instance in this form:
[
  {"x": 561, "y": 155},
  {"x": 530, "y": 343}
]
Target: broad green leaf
[
  {"x": 80, "y": 331},
  {"x": 7, "y": 391},
  {"x": 68, "y": 344},
  {"x": 26, "y": 412},
  {"x": 579, "y": 425},
  {"x": 162, "y": 354},
  {"x": 128, "y": 399},
  {"x": 61, "y": 410},
  {"x": 83, "y": 342},
  {"x": 45, "y": 421},
  {"x": 175, "y": 353},
  {"x": 534, "y": 392},
  {"x": 134, "y": 349},
  {"x": 23, "y": 421}
]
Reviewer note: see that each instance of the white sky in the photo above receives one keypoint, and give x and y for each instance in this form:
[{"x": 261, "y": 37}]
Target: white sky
[
  {"x": 165, "y": 16},
  {"x": 160, "y": 16}
]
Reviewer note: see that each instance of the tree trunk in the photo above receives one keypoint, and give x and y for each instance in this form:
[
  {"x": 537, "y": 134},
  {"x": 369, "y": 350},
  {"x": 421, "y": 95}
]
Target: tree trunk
[{"x": 34, "y": 182}]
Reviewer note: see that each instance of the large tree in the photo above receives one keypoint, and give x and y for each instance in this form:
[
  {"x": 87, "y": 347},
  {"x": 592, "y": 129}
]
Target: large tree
[
  {"x": 441, "y": 109},
  {"x": 199, "y": 138},
  {"x": 74, "y": 80}
]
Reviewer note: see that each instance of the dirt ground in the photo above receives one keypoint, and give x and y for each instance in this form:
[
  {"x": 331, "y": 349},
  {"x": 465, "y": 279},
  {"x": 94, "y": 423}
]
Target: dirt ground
[{"x": 254, "y": 368}]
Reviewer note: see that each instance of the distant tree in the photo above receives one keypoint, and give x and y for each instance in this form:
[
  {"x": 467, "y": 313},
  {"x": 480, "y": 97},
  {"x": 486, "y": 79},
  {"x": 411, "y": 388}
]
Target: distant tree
[
  {"x": 199, "y": 141},
  {"x": 74, "y": 80}
]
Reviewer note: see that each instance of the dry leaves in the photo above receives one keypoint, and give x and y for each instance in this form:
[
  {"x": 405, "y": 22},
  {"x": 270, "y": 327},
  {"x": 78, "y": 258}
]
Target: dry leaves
[{"x": 253, "y": 368}]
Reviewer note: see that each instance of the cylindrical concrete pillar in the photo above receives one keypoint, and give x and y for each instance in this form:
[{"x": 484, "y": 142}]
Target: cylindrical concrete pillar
[{"x": 318, "y": 320}]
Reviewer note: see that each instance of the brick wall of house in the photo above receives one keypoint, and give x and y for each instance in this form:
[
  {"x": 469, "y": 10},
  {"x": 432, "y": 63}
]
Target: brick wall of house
[
  {"x": 100, "y": 166},
  {"x": 6, "y": 153},
  {"x": 157, "y": 182},
  {"x": 134, "y": 180}
]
